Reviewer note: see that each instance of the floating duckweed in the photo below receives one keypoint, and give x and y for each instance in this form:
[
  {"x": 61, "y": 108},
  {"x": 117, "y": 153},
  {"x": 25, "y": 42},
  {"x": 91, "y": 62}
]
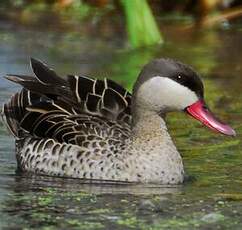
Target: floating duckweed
[
  {"x": 99, "y": 211},
  {"x": 130, "y": 222},
  {"x": 43, "y": 201},
  {"x": 230, "y": 196},
  {"x": 86, "y": 225}
]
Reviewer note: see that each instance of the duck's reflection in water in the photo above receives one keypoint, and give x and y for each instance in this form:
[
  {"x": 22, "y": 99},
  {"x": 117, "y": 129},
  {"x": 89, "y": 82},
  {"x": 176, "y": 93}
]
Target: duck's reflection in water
[{"x": 37, "y": 182}]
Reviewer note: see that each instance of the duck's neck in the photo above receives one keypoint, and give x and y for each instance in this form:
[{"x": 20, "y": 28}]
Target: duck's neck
[
  {"x": 154, "y": 156},
  {"x": 148, "y": 124}
]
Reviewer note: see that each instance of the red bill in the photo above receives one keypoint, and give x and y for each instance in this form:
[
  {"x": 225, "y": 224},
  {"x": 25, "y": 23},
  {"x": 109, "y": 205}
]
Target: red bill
[{"x": 199, "y": 111}]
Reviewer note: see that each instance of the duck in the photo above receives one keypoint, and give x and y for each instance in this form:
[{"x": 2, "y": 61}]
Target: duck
[{"x": 87, "y": 128}]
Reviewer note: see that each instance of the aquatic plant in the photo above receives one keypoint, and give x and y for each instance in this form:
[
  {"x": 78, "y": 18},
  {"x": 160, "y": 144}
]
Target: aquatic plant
[{"x": 141, "y": 25}]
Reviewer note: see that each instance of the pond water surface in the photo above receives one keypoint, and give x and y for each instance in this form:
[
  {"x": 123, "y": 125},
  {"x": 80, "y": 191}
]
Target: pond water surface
[{"x": 211, "y": 199}]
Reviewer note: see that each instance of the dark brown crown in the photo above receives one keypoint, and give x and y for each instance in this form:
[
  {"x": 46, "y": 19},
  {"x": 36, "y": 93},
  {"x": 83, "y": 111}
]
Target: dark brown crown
[{"x": 177, "y": 71}]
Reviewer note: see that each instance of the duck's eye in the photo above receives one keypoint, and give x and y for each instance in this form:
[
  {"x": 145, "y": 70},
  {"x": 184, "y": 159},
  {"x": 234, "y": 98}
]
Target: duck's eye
[{"x": 179, "y": 77}]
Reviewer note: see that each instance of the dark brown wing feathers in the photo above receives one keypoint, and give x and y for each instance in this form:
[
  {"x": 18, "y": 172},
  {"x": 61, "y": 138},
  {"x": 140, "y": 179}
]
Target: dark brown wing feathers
[{"x": 64, "y": 109}]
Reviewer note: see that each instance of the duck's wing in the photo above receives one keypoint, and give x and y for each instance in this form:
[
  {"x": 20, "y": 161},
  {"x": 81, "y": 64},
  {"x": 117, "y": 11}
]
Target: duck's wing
[{"x": 67, "y": 109}]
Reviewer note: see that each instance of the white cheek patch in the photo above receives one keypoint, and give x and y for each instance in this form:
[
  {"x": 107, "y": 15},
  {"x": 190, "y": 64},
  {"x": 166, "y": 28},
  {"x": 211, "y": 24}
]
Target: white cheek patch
[{"x": 162, "y": 92}]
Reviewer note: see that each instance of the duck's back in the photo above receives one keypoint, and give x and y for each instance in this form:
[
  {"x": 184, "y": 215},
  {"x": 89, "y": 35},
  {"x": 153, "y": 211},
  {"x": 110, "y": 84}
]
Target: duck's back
[{"x": 68, "y": 127}]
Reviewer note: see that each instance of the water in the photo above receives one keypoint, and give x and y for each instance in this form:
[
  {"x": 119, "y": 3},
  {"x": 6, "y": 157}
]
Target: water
[{"x": 212, "y": 197}]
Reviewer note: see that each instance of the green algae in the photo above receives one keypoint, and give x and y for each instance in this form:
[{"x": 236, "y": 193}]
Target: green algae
[
  {"x": 230, "y": 196},
  {"x": 99, "y": 211},
  {"x": 130, "y": 222},
  {"x": 84, "y": 225}
]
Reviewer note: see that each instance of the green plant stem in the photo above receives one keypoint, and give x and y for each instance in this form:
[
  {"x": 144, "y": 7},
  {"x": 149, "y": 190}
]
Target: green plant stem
[{"x": 141, "y": 25}]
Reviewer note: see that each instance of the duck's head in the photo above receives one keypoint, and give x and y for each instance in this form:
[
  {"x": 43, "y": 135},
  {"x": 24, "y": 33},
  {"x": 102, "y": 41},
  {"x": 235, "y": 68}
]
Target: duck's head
[{"x": 165, "y": 85}]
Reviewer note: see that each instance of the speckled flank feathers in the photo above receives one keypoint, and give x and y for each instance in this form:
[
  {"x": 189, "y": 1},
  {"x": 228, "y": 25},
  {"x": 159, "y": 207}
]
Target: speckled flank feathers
[{"x": 84, "y": 128}]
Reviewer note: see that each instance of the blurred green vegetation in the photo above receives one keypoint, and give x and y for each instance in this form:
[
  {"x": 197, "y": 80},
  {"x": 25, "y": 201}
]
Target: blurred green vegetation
[
  {"x": 140, "y": 15},
  {"x": 141, "y": 26}
]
